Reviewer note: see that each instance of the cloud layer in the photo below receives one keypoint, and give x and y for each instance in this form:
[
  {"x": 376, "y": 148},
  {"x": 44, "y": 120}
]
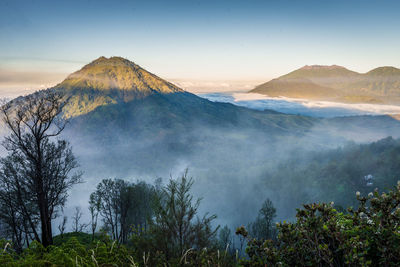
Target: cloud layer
[{"x": 301, "y": 106}]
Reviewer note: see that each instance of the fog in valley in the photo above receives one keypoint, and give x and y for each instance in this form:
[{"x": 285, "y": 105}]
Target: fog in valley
[
  {"x": 234, "y": 170},
  {"x": 314, "y": 108}
]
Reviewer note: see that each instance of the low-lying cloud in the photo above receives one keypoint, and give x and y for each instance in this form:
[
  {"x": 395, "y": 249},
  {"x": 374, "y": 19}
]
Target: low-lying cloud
[{"x": 301, "y": 106}]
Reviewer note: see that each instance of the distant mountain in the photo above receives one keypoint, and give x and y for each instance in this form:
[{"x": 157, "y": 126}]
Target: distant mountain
[
  {"x": 336, "y": 83},
  {"x": 384, "y": 81},
  {"x": 296, "y": 88},
  {"x": 322, "y": 74}
]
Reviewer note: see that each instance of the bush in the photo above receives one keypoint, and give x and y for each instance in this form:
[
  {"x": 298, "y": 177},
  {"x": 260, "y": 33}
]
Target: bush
[
  {"x": 70, "y": 253},
  {"x": 322, "y": 236}
]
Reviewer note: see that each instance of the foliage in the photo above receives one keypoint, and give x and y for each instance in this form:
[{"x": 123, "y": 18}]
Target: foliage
[
  {"x": 73, "y": 252},
  {"x": 322, "y": 236},
  {"x": 122, "y": 206},
  {"x": 70, "y": 253},
  {"x": 83, "y": 238},
  {"x": 176, "y": 227}
]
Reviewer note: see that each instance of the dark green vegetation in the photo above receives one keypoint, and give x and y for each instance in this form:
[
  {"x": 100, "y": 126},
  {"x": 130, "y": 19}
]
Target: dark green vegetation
[
  {"x": 335, "y": 83},
  {"x": 320, "y": 236},
  {"x": 324, "y": 236},
  {"x": 141, "y": 225},
  {"x": 124, "y": 208}
]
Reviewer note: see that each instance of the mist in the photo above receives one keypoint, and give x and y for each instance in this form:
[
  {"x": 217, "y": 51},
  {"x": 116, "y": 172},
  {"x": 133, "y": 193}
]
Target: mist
[{"x": 232, "y": 167}]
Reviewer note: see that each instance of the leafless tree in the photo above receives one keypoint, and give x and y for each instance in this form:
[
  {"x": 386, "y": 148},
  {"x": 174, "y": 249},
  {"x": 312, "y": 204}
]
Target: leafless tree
[
  {"x": 94, "y": 209},
  {"x": 77, "y": 226},
  {"x": 62, "y": 226},
  {"x": 37, "y": 167}
]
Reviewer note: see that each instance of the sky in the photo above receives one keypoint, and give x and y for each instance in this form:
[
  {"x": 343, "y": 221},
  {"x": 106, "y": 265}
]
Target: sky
[{"x": 245, "y": 41}]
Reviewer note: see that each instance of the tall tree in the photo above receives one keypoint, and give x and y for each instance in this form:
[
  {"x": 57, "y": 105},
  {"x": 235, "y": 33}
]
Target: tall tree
[
  {"x": 176, "y": 225},
  {"x": 38, "y": 166},
  {"x": 94, "y": 209},
  {"x": 263, "y": 228},
  {"x": 122, "y": 205}
]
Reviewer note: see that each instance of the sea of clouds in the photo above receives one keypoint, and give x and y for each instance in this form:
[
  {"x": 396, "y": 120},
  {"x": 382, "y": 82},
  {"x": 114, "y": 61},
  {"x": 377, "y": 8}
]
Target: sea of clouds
[{"x": 324, "y": 109}]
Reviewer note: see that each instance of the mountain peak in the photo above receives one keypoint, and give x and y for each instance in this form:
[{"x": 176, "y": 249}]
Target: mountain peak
[
  {"x": 107, "y": 81},
  {"x": 316, "y": 72},
  {"x": 117, "y": 73},
  {"x": 384, "y": 71},
  {"x": 112, "y": 61},
  {"x": 326, "y": 67}
]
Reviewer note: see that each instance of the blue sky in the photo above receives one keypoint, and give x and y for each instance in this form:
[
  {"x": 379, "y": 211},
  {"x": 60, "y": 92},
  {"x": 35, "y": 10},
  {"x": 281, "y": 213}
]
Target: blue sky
[{"x": 199, "y": 40}]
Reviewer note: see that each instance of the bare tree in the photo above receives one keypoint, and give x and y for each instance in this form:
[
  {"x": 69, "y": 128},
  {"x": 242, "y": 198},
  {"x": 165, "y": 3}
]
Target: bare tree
[
  {"x": 94, "y": 209},
  {"x": 77, "y": 226},
  {"x": 37, "y": 167},
  {"x": 62, "y": 226}
]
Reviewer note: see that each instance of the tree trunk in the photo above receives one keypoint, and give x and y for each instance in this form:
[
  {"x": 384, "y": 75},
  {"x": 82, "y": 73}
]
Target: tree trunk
[{"x": 45, "y": 220}]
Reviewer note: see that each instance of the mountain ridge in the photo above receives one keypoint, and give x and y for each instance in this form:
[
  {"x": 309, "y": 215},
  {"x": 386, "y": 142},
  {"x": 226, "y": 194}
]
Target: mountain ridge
[{"x": 379, "y": 85}]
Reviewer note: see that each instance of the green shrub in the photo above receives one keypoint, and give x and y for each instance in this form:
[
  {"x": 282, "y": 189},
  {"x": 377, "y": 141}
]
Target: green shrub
[{"x": 322, "y": 236}]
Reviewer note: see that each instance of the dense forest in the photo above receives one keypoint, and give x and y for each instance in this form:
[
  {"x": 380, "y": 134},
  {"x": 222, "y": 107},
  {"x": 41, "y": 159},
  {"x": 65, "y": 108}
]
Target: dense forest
[{"x": 349, "y": 222}]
